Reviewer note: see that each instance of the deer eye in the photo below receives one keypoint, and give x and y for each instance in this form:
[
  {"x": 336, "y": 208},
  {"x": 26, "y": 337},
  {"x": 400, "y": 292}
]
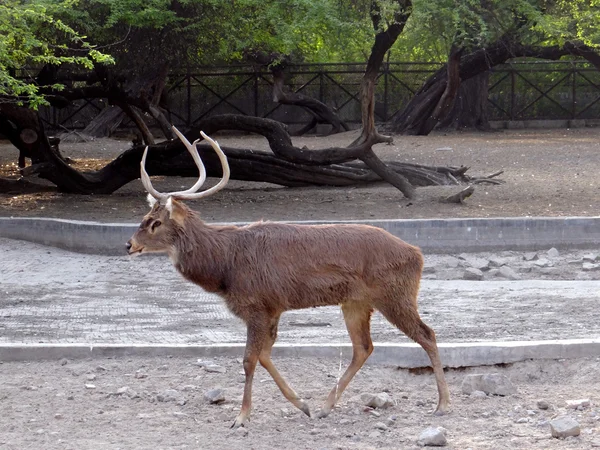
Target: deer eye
[{"x": 155, "y": 225}]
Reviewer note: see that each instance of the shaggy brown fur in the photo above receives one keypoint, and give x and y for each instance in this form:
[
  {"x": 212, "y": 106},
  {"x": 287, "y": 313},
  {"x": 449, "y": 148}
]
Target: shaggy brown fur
[{"x": 264, "y": 269}]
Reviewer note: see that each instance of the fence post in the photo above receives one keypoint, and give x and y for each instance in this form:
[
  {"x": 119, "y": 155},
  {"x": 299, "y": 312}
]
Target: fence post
[
  {"x": 386, "y": 68},
  {"x": 512, "y": 92},
  {"x": 574, "y": 85},
  {"x": 189, "y": 96}
]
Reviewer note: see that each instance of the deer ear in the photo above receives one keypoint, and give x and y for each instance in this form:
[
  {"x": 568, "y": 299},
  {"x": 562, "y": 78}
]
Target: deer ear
[
  {"x": 151, "y": 200},
  {"x": 177, "y": 211}
]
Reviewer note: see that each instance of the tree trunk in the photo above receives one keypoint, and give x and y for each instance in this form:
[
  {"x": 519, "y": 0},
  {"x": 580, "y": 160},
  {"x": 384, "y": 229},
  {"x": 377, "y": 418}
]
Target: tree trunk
[
  {"x": 471, "y": 106},
  {"x": 410, "y": 119},
  {"x": 105, "y": 123}
]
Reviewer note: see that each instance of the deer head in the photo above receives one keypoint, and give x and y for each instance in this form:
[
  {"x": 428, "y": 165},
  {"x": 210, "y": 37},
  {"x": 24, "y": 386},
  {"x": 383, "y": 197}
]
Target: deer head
[{"x": 166, "y": 220}]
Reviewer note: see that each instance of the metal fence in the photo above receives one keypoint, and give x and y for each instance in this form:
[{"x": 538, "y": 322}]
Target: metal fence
[{"x": 517, "y": 91}]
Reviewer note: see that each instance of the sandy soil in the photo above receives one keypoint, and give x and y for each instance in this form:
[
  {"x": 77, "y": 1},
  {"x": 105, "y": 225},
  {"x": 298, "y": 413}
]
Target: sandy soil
[
  {"x": 77, "y": 406},
  {"x": 547, "y": 173}
]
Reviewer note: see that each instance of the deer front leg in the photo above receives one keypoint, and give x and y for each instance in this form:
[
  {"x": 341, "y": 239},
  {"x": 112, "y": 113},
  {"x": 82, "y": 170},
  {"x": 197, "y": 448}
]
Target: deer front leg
[{"x": 258, "y": 328}]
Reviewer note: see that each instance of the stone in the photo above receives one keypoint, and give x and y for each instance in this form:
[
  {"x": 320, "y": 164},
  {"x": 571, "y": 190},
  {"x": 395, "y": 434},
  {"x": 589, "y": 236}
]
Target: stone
[
  {"x": 429, "y": 270},
  {"x": 375, "y": 435},
  {"x": 90, "y": 386},
  {"x": 473, "y": 274},
  {"x": 578, "y": 404},
  {"x": 478, "y": 394},
  {"x": 58, "y": 416},
  {"x": 345, "y": 421},
  {"x": 522, "y": 420},
  {"x": 140, "y": 374},
  {"x": 530, "y": 256},
  {"x": 492, "y": 383},
  {"x": 171, "y": 395},
  {"x": 496, "y": 261},
  {"x": 452, "y": 262},
  {"x": 215, "y": 368},
  {"x": 564, "y": 426},
  {"x": 382, "y": 400},
  {"x": 477, "y": 263},
  {"x": 589, "y": 267},
  {"x": 64, "y": 361},
  {"x": 215, "y": 396},
  {"x": 508, "y": 273},
  {"x": 542, "y": 263},
  {"x": 553, "y": 253},
  {"x": 433, "y": 437},
  {"x": 163, "y": 368},
  {"x": 90, "y": 377},
  {"x": 595, "y": 443},
  {"x": 543, "y": 404},
  {"x": 591, "y": 257},
  {"x": 381, "y": 426},
  {"x": 242, "y": 432}
]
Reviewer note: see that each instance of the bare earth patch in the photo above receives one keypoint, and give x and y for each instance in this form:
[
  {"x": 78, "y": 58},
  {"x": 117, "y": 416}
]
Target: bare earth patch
[
  {"x": 547, "y": 173},
  {"x": 116, "y": 403}
]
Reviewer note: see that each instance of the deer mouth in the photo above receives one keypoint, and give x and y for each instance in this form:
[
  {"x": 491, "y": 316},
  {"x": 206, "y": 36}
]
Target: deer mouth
[{"x": 132, "y": 251}]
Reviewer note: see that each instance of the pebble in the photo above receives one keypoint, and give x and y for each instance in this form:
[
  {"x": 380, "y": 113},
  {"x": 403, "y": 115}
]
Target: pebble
[
  {"x": 90, "y": 386},
  {"x": 64, "y": 362},
  {"x": 90, "y": 377},
  {"x": 381, "y": 400},
  {"x": 140, "y": 374},
  {"x": 433, "y": 437},
  {"x": 589, "y": 267},
  {"x": 215, "y": 368},
  {"x": 374, "y": 435},
  {"x": 163, "y": 368},
  {"x": 492, "y": 383},
  {"x": 472, "y": 274},
  {"x": 553, "y": 253},
  {"x": 522, "y": 420},
  {"x": 578, "y": 404},
  {"x": 381, "y": 426},
  {"x": 242, "y": 431},
  {"x": 58, "y": 416},
  {"x": 171, "y": 395},
  {"x": 215, "y": 396},
  {"x": 345, "y": 421},
  {"x": 543, "y": 404},
  {"x": 478, "y": 394},
  {"x": 564, "y": 426}
]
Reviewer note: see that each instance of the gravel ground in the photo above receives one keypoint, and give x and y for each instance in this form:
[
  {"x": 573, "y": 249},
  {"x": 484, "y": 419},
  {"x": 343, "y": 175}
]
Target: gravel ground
[{"x": 116, "y": 404}]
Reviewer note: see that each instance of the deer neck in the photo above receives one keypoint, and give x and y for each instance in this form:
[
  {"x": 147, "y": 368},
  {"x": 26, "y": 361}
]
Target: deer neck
[{"x": 200, "y": 254}]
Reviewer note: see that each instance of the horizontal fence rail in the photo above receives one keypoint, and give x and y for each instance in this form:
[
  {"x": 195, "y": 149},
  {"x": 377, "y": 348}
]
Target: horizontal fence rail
[{"x": 517, "y": 91}]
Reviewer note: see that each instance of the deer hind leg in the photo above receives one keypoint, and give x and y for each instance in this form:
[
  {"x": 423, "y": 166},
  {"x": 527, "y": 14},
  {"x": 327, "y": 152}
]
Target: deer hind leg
[
  {"x": 358, "y": 323},
  {"x": 406, "y": 318},
  {"x": 267, "y": 363},
  {"x": 257, "y": 330}
]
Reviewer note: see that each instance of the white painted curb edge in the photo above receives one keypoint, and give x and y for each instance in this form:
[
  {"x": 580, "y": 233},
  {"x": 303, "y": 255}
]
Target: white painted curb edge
[{"x": 401, "y": 355}]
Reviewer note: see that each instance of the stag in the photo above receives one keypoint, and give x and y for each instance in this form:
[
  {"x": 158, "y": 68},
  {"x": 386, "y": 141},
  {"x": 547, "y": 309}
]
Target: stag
[{"x": 264, "y": 269}]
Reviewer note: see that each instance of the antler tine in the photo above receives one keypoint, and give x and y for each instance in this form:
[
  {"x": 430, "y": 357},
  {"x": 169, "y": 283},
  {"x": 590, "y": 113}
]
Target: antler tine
[
  {"x": 221, "y": 184},
  {"x": 146, "y": 179},
  {"x": 178, "y": 194}
]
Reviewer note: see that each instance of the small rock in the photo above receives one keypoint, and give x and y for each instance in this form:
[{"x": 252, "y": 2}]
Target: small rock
[
  {"x": 215, "y": 396},
  {"x": 492, "y": 383},
  {"x": 589, "y": 267},
  {"x": 381, "y": 426},
  {"x": 472, "y": 273},
  {"x": 284, "y": 412},
  {"x": 374, "y": 413},
  {"x": 345, "y": 421},
  {"x": 90, "y": 386},
  {"x": 591, "y": 257},
  {"x": 29, "y": 388},
  {"x": 171, "y": 395},
  {"x": 477, "y": 263},
  {"x": 382, "y": 400},
  {"x": 429, "y": 270},
  {"x": 140, "y": 374},
  {"x": 374, "y": 435},
  {"x": 553, "y": 253},
  {"x": 242, "y": 431},
  {"x": 564, "y": 426},
  {"x": 64, "y": 362},
  {"x": 101, "y": 369},
  {"x": 478, "y": 394},
  {"x": 508, "y": 273},
  {"x": 58, "y": 416},
  {"x": 90, "y": 377},
  {"x": 530, "y": 256},
  {"x": 163, "y": 368},
  {"x": 543, "y": 404},
  {"x": 433, "y": 437},
  {"x": 543, "y": 263},
  {"x": 595, "y": 443},
  {"x": 578, "y": 404},
  {"x": 214, "y": 368},
  {"x": 496, "y": 261},
  {"x": 522, "y": 420},
  {"x": 188, "y": 387}
]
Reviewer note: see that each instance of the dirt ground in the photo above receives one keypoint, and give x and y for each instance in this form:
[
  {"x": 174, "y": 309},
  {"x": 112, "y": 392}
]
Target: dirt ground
[
  {"x": 547, "y": 173},
  {"x": 115, "y": 403}
]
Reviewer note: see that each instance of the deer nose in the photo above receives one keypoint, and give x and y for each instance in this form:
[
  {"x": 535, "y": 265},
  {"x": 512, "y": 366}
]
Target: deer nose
[{"x": 128, "y": 245}]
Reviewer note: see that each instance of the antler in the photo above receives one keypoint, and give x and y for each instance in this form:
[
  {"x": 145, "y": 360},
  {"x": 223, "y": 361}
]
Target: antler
[{"x": 190, "y": 193}]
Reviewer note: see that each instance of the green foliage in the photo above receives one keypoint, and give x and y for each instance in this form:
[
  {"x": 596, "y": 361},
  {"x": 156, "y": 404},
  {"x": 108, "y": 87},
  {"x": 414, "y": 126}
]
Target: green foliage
[{"x": 30, "y": 35}]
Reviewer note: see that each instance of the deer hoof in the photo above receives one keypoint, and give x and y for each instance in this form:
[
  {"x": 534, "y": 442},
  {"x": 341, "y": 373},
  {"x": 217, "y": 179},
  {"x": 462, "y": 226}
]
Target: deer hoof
[
  {"x": 303, "y": 406},
  {"x": 323, "y": 413},
  {"x": 440, "y": 412},
  {"x": 240, "y": 421}
]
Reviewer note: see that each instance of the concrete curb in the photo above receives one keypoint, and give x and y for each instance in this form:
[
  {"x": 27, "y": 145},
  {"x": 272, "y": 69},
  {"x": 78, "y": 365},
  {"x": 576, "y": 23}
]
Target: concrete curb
[
  {"x": 402, "y": 355},
  {"x": 432, "y": 235}
]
